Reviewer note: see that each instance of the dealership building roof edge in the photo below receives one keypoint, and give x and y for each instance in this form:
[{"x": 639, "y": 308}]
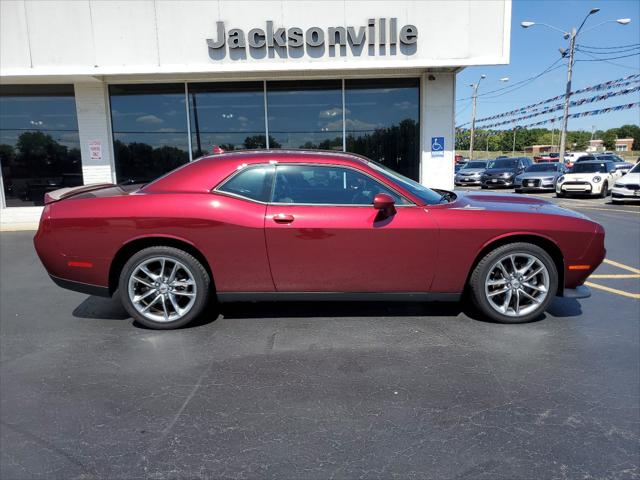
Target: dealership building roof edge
[{"x": 428, "y": 42}]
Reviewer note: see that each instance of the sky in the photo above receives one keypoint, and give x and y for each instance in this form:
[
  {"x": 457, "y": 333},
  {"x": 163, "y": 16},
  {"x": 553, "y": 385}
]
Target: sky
[{"x": 536, "y": 48}]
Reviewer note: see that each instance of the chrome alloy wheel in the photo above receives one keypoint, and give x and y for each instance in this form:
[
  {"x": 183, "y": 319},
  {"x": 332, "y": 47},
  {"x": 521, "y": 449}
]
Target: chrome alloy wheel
[
  {"x": 162, "y": 289},
  {"x": 517, "y": 284}
]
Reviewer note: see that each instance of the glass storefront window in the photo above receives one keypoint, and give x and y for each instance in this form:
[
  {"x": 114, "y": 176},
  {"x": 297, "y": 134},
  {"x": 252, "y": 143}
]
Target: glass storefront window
[
  {"x": 383, "y": 122},
  {"x": 305, "y": 114},
  {"x": 230, "y": 115},
  {"x": 149, "y": 124},
  {"x": 39, "y": 143}
]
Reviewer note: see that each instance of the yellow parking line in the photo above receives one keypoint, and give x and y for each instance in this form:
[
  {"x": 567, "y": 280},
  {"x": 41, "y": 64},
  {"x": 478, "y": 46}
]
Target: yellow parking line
[
  {"x": 621, "y": 265},
  {"x": 613, "y": 290},
  {"x": 625, "y": 275}
]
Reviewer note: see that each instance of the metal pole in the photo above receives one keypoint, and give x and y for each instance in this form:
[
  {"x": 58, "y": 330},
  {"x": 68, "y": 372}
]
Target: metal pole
[
  {"x": 513, "y": 152},
  {"x": 473, "y": 119},
  {"x": 487, "y": 154},
  {"x": 565, "y": 116}
]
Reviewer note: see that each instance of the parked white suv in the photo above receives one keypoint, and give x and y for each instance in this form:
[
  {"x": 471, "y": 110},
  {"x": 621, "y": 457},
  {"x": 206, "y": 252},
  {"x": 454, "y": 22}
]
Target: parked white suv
[{"x": 587, "y": 178}]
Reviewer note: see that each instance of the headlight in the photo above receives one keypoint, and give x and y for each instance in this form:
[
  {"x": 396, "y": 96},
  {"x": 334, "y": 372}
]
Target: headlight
[
  {"x": 596, "y": 179},
  {"x": 507, "y": 174},
  {"x": 618, "y": 185},
  {"x": 561, "y": 179},
  {"x": 547, "y": 179}
]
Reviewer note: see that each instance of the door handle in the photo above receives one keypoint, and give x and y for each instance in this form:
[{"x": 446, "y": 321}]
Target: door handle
[{"x": 283, "y": 218}]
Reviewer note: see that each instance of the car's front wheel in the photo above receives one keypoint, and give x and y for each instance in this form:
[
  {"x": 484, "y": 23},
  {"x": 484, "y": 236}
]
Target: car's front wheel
[
  {"x": 164, "y": 287},
  {"x": 514, "y": 283},
  {"x": 605, "y": 190}
]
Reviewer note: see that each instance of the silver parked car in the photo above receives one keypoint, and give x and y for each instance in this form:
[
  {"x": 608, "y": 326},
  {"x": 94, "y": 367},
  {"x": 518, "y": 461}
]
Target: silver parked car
[
  {"x": 539, "y": 177},
  {"x": 471, "y": 173}
]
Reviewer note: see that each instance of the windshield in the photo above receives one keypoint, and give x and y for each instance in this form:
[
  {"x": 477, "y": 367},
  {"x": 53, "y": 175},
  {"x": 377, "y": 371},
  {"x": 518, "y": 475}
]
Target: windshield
[
  {"x": 542, "y": 167},
  {"x": 635, "y": 169},
  {"x": 607, "y": 157},
  {"x": 503, "y": 163},
  {"x": 423, "y": 193},
  {"x": 475, "y": 165},
  {"x": 589, "y": 167}
]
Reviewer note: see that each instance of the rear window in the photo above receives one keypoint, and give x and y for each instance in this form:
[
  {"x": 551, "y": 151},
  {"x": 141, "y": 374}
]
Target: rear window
[{"x": 254, "y": 183}]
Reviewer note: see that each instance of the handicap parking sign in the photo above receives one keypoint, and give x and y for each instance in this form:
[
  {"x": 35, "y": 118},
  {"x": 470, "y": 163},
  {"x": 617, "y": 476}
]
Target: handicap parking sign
[{"x": 437, "y": 146}]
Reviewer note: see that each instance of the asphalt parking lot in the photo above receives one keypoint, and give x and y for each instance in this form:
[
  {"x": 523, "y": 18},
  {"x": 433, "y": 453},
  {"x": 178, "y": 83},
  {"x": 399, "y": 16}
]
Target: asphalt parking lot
[{"x": 322, "y": 391}]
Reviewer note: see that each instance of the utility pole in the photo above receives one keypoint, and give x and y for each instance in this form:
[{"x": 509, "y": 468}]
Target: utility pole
[
  {"x": 513, "y": 152},
  {"x": 567, "y": 95},
  {"x": 572, "y": 46},
  {"x": 474, "y": 99}
]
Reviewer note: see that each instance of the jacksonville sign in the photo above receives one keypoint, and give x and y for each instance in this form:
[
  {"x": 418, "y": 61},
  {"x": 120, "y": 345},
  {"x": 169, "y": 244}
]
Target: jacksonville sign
[{"x": 382, "y": 32}]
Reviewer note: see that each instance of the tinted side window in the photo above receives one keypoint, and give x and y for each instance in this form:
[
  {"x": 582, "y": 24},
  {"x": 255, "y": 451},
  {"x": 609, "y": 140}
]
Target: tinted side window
[
  {"x": 254, "y": 183},
  {"x": 327, "y": 185}
]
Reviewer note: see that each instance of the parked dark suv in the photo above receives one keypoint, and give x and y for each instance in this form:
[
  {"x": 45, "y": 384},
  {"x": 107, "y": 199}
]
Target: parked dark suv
[{"x": 501, "y": 172}]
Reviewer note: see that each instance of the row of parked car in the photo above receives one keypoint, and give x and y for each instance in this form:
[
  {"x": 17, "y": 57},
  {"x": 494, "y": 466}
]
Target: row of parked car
[{"x": 592, "y": 175}]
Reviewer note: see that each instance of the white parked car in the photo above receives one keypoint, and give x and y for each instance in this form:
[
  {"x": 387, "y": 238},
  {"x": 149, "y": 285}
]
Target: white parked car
[
  {"x": 587, "y": 178},
  {"x": 627, "y": 187},
  {"x": 571, "y": 157}
]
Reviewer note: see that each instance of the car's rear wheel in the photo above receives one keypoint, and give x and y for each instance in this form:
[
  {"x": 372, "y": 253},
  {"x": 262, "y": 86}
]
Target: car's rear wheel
[
  {"x": 164, "y": 287},
  {"x": 514, "y": 283}
]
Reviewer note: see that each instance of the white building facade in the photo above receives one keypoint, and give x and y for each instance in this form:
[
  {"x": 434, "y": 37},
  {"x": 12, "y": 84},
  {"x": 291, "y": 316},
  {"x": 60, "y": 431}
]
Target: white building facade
[{"x": 123, "y": 91}]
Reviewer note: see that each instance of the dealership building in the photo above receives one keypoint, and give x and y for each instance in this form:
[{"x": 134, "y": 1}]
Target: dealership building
[{"x": 123, "y": 91}]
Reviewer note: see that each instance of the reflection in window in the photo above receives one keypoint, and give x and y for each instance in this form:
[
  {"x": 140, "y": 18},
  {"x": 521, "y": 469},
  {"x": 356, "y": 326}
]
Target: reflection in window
[
  {"x": 305, "y": 114},
  {"x": 230, "y": 115},
  {"x": 327, "y": 185},
  {"x": 39, "y": 144},
  {"x": 382, "y": 122},
  {"x": 149, "y": 130},
  {"x": 254, "y": 183}
]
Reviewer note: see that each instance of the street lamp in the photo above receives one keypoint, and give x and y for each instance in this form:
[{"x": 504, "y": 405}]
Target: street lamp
[
  {"x": 473, "y": 112},
  {"x": 474, "y": 98},
  {"x": 571, "y": 36}
]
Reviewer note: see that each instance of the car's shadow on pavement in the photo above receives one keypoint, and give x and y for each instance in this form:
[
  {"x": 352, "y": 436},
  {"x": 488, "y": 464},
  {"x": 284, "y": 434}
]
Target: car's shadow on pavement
[{"x": 100, "y": 308}]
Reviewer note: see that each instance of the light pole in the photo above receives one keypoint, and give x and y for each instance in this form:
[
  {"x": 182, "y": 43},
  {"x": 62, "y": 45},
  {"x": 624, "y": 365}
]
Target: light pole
[
  {"x": 572, "y": 45},
  {"x": 473, "y": 111},
  {"x": 474, "y": 98}
]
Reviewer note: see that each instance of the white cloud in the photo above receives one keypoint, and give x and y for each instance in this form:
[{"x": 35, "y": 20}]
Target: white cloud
[{"x": 149, "y": 119}]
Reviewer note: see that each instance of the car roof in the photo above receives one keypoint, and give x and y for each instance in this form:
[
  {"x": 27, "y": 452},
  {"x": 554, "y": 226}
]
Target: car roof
[{"x": 204, "y": 173}]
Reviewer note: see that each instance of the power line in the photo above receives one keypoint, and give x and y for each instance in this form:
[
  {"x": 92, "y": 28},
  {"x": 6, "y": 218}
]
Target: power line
[
  {"x": 606, "y": 52},
  {"x": 606, "y": 59},
  {"x": 609, "y": 48},
  {"x": 526, "y": 81}
]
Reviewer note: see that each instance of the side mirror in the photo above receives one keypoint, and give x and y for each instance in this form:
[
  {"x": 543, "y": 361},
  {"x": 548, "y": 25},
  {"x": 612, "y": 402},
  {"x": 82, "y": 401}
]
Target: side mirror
[{"x": 385, "y": 204}]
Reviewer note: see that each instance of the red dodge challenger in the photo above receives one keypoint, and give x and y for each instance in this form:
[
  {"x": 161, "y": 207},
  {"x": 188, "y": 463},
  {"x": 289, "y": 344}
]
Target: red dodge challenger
[{"x": 308, "y": 225}]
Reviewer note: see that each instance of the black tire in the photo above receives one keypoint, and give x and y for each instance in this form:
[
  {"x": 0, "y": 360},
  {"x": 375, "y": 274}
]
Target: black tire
[
  {"x": 560, "y": 195},
  {"x": 605, "y": 190},
  {"x": 483, "y": 187},
  {"x": 517, "y": 190},
  {"x": 482, "y": 270},
  {"x": 197, "y": 270}
]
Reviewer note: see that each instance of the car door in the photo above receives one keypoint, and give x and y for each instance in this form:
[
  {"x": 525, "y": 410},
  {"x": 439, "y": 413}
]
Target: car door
[{"x": 323, "y": 234}]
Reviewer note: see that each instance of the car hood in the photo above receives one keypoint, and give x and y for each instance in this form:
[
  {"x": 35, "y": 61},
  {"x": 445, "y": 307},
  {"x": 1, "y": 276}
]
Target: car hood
[
  {"x": 500, "y": 202},
  {"x": 537, "y": 174},
  {"x": 498, "y": 171},
  {"x": 629, "y": 178}
]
